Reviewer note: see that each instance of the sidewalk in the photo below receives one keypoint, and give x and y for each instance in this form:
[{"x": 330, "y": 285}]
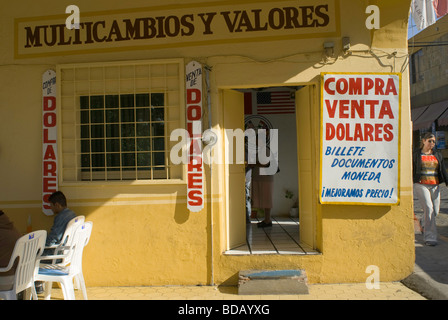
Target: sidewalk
[
  {"x": 430, "y": 277},
  {"x": 358, "y": 291}
]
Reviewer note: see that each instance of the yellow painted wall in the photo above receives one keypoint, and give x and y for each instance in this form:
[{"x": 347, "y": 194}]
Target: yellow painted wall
[{"x": 144, "y": 234}]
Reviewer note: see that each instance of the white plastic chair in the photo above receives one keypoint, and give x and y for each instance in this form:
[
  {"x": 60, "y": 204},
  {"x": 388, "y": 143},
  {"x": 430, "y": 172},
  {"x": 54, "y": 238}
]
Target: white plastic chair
[
  {"x": 66, "y": 241},
  {"x": 28, "y": 249},
  {"x": 65, "y": 275}
]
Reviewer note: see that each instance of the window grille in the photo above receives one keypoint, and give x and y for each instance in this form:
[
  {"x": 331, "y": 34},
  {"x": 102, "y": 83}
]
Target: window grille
[{"x": 116, "y": 119}]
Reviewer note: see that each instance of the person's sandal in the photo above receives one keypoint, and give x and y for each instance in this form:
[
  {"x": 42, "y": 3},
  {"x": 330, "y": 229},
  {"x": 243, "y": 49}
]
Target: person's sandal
[{"x": 263, "y": 224}]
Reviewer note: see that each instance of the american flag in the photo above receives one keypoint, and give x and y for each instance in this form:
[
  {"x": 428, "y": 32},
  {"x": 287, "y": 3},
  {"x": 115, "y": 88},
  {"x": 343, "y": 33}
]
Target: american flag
[
  {"x": 275, "y": 102},
  {"x": 441, "y": 7}
]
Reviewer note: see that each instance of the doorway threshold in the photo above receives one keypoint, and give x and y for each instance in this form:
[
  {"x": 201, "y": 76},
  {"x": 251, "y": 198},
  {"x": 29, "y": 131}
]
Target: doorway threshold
[{"x": 280, "y": 239}]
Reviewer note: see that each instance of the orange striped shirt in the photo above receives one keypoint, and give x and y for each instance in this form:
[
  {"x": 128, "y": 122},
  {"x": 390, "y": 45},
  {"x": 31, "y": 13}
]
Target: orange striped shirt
[{"x": 430, "y": 167}]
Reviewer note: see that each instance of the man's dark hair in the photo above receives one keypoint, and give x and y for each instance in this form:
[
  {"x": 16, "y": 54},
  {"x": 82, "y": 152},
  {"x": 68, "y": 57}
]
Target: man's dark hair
[{"x": 58, "y": 197}]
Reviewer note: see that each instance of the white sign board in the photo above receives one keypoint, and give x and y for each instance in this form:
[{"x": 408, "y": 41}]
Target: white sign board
[
  {"x": 360, "y": 138},
  {"x": 195, "y": 177},
  {"x": 49, "y": 139}
]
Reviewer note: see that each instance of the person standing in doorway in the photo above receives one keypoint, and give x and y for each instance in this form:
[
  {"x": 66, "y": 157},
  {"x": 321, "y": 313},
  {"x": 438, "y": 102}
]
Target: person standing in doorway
[
  {"x": 250, "y": 162},
  {"x": 263, "y": 189},
  {"x": 263, "y": 178},
  {"x": 248, "y": 189},
  {"x": 428, "y": 172}
]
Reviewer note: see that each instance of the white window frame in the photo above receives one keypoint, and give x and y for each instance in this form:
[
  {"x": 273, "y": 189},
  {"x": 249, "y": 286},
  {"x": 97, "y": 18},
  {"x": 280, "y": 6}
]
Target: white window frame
[{"x": 148, "y": 77}]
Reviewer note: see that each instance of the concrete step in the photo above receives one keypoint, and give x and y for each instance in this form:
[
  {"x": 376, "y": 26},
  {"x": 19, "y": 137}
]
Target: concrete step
[{"x": 262, "y": 282}]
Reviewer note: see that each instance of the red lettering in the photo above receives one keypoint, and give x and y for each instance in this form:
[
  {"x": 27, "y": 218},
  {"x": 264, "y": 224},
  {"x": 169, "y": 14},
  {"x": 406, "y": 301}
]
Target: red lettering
[
  {"x": 359, "y": 86},
  {"x": 358, "y": 133},
  {"x": 353, "y": 108},
  {"x": 49, "y": 185},
  {"x": 195, "y": 164},
  {"x": 49, "y": 106},
  {"x": 194, "y": 176},
  {"x": 368, "y": 132},
  {"x": 342, "y": 89},
  {"x": 329, "y": 131},
  {"x": 49, "y": 119},
  {"x": 391, "y": 87},
  {"x": 331, "y": 109},
  {"x": 347, "y": 130},
  {"x": 388, "y": 134},
  {"x": 195, "y": 198},
  {"x": 46, "y": 196},
  {"x": 343, "y": 108},
  {"x": 386, "y": 109},
  {"x": 327, "y": 86},
  {"x": 378, "y": 131},
  {"x": 368, "y": 84},
  {"x": 355, "y": 86},
  {"x": 359, "y": 108},
  {"x": 340, "y": 132},
  {"x": 49, "y": 168},
  {"x": 372, "y": 104},
  {"x": 46, "y": 139},
  {"x": 194, "y": 180},
  {"x": 195, "y": 147},
  {"x": 194, "y": 113},
  {"x": 49, "y": 153},
  {"x": 197, "y": 96},
  {"x": 190, "y": 129},
  {"x": 45, "y": 200},
  {"x": 379, "y": 84}
]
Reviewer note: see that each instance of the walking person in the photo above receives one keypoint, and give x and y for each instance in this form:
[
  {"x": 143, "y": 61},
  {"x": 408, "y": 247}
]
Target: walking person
[{"x": 428, "y": 172}]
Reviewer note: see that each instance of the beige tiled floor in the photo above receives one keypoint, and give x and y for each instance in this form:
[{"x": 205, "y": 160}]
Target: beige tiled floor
[
  {"x": 281, "y": 238},
  {"x": 357, "y": 291}
]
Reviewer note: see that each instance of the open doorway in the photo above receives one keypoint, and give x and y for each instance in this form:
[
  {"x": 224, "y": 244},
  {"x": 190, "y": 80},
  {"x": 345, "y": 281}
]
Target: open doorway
[{"x": 271, "y": 108}]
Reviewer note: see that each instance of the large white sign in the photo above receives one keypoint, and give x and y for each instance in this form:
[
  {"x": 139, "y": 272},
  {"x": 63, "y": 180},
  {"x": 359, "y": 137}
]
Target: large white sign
[
  {"x": 360, "y": 138},
  {"x": 49, "y": 139},
  {"x": 195, "y": 178}
]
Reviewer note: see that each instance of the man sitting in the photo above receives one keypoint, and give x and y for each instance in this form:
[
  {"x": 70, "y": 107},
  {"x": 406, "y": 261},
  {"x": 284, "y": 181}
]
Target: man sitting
[{"x": 63, "y": 215}]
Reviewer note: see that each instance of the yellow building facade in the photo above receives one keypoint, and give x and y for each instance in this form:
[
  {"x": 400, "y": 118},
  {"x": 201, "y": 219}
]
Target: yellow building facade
[{"x": 120, "y": 88}]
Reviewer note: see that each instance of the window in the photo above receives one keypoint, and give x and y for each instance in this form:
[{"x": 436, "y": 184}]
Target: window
[
  {"x": 416, "y": 66},
  {"x": 116, "y": 121}
]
